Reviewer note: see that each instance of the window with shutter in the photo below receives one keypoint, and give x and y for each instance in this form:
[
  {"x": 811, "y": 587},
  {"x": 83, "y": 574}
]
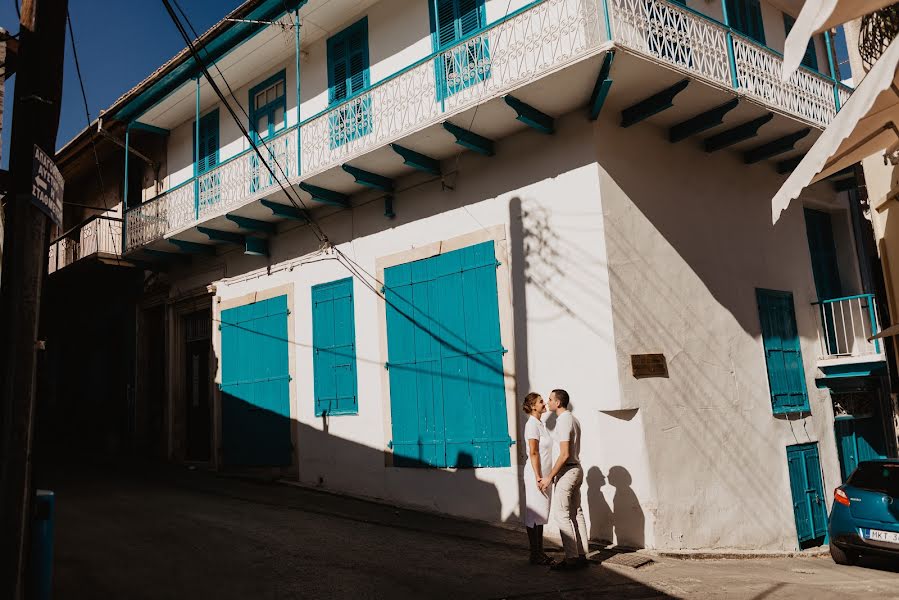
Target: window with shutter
[
  {"x": 208, "y": 184},
  {"x": 810, "y": 58},
  {"x": 447, "y": 389},
  {"x": 268, "y": 117},
  {"x": 783, "y": 357},
  {"x": 461, "y": 64},
  {"x": 334, "y": 348},
  {"x": 746, "y": 17},
  {"x": 347, "y": 78},
  {"x": 807, "y": 492}
]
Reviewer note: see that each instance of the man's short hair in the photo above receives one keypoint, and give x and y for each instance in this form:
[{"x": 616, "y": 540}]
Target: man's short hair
[{"x": 562, "y": 397}]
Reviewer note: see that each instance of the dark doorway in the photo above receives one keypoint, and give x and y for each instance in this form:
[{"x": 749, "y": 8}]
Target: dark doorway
[
  {"x": 197, "y": 391},
  {"x": 150, "y": 419}
]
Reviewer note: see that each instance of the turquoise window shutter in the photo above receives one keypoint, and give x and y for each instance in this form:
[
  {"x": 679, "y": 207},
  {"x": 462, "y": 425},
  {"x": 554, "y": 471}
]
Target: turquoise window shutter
[
  {"x": 256, "y": 384},
  {"x": 783, "y": 357},
  {"x": 746, "y": 17},
  {"x": 445, "y": 361},
  {"x": 348, "y": 62},
  {"x": 209, "y": 142},
  {"x": 334, "y": 348},
  {"x": 823, "y": 251},
  {"x": 451, "y": 22}
]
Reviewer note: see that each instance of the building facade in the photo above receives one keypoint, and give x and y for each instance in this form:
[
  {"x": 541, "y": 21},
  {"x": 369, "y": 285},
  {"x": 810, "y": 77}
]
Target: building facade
[{"x": 400, "y": 217}]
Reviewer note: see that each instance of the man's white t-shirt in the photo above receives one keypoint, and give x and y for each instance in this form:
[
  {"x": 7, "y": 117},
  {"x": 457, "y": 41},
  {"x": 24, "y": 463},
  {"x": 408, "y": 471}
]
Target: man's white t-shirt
[{"x": 569, "y": 430}]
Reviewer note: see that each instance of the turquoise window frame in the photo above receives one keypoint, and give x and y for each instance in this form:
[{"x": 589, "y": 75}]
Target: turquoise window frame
[
  {"x": 810, "y": 58},
  {"x": 476, "y": 50},
  {"x": 270, "y": 109},
  {"x": 334, "y": 348},
  {"x": 350, "y": 109},
  {"x": 783, "y": 352},
  {"x": 202, "y": 166}
]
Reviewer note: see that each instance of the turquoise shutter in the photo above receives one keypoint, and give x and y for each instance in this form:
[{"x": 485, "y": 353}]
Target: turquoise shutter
[
  {"x": 256, "y": 384},
  {"x": 807, "y": 491},
  {"x": 823, "y": 251},
  {"x": 783, "y": 357},
  {"x": 815, "y": 491},
  {"x": 810, "y": 58},
  {"x": 334, "y": 348},
  {"x": 798, "y": 487},
  {"x": 209, "y": 142},
  {"x": 348, "y": 62},
  {"x": 469, "y": 16},
  {"x": 746, "y": 17},
  {"x": 446, "y": 29},
  {"x": 445, "y": 361}
]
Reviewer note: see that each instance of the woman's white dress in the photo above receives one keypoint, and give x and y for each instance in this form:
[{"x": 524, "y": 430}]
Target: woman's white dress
[{"x": 537, "y": 509}]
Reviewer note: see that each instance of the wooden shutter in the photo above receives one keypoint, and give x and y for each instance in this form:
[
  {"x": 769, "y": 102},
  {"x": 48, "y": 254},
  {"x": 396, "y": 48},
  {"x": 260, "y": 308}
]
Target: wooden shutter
[
  {"x": 807, "y": 491},
  {"x": 446, "y": 30},
  {"x": 810, "y": 58},
  {"x": 798, "y": 486},
  {"x": 256, "y": 384},
  {"x": 445, "y": 361},
  {"x": 334, "y": 348},
  {"x": 208, "y": 146},
  {"x": 348, "y": 62},
  {"x": 469, "y": 17},
  {"x": 783, "y": 357}
]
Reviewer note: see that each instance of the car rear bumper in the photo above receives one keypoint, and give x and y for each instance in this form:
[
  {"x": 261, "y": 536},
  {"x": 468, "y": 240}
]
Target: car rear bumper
[{"x": 855, "y": 542}]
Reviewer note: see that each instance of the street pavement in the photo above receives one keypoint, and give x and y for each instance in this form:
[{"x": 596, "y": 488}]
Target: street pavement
[{"x": 169, "y": 532}]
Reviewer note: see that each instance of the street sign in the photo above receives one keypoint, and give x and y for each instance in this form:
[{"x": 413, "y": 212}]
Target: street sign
[{"x": 46, "y": 185}]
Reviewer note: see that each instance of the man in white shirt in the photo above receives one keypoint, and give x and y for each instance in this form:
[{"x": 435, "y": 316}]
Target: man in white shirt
[{"x": 568, "y": 476}]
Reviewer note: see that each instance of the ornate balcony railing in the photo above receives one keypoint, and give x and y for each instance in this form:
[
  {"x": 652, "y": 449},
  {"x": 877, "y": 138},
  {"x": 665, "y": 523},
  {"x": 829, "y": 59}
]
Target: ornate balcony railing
[
  {"x": 534, "y": 41},
  {"x": 98, "y": 234},
  {"x": 844, "y": 326},
  {"x": 806, "y": 94},
  {"x": 525, "y": 45},
  {"x": 673, "y": 34}
]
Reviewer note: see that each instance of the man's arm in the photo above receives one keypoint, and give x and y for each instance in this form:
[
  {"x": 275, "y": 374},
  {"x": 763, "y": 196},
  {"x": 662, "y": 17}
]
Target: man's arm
[{"x": 560, "y": 462}]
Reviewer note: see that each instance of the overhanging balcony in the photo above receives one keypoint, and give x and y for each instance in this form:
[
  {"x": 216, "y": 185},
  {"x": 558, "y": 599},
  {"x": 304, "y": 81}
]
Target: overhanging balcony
[
  {"x": 541, "y": 60},
  {"x": 845, "y": 328},
  {"x": 98, "y": 237}
]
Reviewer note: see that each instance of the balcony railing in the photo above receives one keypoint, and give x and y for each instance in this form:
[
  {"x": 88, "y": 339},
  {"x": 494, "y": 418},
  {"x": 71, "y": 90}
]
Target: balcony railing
[
  {"x": 844, "y": 326},
  {"x": 534, "y": 41},
  {"x": 98, "y": 234}
]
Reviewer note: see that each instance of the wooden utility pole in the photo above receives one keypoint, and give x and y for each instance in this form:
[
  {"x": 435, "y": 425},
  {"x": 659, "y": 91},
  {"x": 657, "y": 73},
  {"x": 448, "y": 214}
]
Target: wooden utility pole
[{"x": 36, "y": 106}]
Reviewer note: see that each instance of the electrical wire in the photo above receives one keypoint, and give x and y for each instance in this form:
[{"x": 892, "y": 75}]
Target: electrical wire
[{"x": 292, "y": 196}]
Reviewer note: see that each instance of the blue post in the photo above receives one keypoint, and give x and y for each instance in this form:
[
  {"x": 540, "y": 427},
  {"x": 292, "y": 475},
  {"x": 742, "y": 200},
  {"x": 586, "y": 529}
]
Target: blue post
[
  {"x": 730, "y": 46},
  {"x": 125, "y": 199},
  {"x": 42, "y": 545},
  {"x": 605, "y": 5},
  {"x": 833, "y": 72},
  {"x": 197, "y": 156},
  {"x": 872, "y": 317},
  {"x": 296, "y": 24}
]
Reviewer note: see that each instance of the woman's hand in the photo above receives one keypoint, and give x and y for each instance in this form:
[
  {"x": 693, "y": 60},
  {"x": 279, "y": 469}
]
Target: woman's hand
[{"x": 543, "y": 483}]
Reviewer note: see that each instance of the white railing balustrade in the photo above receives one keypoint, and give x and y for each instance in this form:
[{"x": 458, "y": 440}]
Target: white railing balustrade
[
  {"x": 153, "y": 219},
  {"x": 844, "y": 326},
  {"x": 843, "y": 92},
  {"x": 100, "y": 234},
  {"x": 528, "y": 45},
  {"x": 674, "y": 35},
  {"x": 806, "y": 94}
]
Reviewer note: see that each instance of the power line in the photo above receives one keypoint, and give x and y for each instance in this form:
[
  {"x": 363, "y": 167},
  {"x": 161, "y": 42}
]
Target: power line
[
  {"x": 316, "y": 228},
  {"x": 87, "y": 114}
]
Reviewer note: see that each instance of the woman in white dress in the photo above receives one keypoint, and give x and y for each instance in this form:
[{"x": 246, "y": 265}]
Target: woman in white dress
[{"x": 539, "y": 444}]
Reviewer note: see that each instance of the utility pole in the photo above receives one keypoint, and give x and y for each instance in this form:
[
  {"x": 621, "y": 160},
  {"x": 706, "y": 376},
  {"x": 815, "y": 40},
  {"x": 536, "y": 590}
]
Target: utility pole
[{"x": 36, "y": 106}]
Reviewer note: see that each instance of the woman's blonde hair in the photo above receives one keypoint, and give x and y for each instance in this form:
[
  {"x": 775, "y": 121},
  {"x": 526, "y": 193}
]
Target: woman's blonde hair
[{"x": 528, "y": 405}]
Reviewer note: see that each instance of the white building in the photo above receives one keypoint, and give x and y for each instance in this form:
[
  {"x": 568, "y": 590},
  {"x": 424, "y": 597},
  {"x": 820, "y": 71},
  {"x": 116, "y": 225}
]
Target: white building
[{"x": 473, "y": 200}]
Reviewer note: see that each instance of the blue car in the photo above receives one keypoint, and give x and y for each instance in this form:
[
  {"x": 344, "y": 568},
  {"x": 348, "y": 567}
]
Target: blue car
[{"x": 865, "y": 514}]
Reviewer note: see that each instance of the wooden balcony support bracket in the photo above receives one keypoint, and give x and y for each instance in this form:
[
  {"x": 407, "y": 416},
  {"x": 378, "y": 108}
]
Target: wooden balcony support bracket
[
  {"x": 469, "y": 139},
  {"x": 388, "y": 207},
  {"x": 285, "y": 212},
  {"x": 255, "y": 246},
  {"x": 418, "y": 161},
  {"x": 701, "y": 122},
  {"x": 737, "y": 134},
  {"x": 192, "y": 247},
  {"x": 602, "y": 86},
  {"x": 653, "y": 105},
  {"x": 217, "y": 235},
  {"x": 251, "y": 224},
  {"x": 530, "y": 116},
  {"x": 774, "y": 147},
  {"x": 324, "y": 196},
  {"x": 787, "y": 165},
  {"x": 369, "y": 179}
]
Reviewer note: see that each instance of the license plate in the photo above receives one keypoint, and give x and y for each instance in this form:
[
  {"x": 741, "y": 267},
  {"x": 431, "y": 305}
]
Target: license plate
[{"x": 882, "y": 536}]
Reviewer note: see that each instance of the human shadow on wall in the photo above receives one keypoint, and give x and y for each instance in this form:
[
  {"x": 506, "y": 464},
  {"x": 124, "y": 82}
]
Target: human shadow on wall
[
  {"x": 601, "y": 516},
  {"x": 627, "y": 515}
]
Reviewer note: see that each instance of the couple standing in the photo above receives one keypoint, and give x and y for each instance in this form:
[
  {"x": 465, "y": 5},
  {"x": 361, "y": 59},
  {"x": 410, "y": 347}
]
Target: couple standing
[{"x": 566, "y": 472}]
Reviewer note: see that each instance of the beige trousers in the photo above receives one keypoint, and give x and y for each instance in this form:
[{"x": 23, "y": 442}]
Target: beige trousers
[{"x": 567, "y": 508}]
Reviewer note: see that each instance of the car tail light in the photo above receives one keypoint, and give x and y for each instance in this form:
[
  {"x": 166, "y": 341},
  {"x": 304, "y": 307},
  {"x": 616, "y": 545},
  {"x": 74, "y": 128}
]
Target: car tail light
[{"x": 841, "y": 497}]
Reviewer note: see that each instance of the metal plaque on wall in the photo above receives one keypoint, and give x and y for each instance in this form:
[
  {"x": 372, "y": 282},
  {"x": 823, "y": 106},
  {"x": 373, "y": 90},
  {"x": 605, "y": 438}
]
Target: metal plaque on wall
[{"x": 649, "y": 365}]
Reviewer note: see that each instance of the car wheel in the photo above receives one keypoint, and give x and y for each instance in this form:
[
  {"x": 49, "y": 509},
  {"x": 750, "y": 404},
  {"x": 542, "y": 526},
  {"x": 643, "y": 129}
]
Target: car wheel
[{"x": 843, "y": 557}]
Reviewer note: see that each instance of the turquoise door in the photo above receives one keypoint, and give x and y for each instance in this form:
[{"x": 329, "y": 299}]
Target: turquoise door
[
  {"x": 807, "y": 490},
  {"x": 447, "y": 386},
  {"x": 256, "y": 384},
  {"x": 858, "y": 439}
]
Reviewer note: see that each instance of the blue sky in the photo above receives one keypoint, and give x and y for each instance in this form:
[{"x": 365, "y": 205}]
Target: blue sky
[{"x": 119, "y": 43}]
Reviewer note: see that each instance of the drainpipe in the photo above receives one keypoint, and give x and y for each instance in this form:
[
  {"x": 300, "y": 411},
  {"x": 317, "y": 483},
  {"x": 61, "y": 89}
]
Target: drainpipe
[
  {"x": 730, "y": 46},
  {"x": 296, "y": 26},
  {"x": 197, "y": 156}
]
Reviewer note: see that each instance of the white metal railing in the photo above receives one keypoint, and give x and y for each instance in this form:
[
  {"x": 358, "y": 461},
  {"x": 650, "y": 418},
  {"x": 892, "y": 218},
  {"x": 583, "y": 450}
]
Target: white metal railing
[
  {"x": 843, "y": 92},
  {"x": 806, "y": 94},
  {"x": 100, "y": 234},
  {"x": 530, "y": 44},
  {"x": 844, "y": 326},
  {"x": 673, "y": 34}
]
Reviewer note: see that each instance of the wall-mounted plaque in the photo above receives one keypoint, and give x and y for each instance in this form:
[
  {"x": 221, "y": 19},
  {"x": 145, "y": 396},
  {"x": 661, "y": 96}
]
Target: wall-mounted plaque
[{"x": 649, "y": 365}]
